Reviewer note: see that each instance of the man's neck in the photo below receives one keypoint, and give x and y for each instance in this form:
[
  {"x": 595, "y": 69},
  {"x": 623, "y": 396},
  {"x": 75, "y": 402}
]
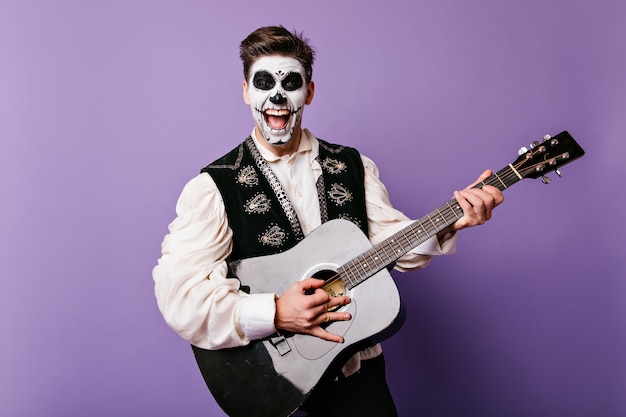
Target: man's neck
[{"x": 280, "y": 150}]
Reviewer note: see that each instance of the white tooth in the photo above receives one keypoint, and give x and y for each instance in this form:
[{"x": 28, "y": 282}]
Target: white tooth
[{"x": 276, "y": 112}]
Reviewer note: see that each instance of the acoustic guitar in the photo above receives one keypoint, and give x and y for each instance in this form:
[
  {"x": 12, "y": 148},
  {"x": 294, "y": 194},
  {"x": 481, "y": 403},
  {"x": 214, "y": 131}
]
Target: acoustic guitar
[{"x": 272, "y": 377}]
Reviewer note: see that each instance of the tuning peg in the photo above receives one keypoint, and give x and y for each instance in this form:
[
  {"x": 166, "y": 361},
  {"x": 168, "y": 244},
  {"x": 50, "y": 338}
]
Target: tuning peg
[
  {"x": 545, "y": 179},
  {"x": 546, "y": 138},
  {"x": 522, "y": 150},
  {"x": 534, "y": 144},
  {"x": 558, "y": 173}
]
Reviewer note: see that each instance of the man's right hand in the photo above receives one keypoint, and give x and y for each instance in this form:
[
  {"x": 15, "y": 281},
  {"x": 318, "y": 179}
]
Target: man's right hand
[{"x": 305, "y": 307}]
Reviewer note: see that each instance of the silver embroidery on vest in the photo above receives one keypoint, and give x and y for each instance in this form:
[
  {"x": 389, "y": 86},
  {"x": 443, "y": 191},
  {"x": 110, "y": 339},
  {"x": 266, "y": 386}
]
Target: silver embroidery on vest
[
  {"x": 321, "y": 195},
  {"x": 258, "y": 204},
  {"x": 281, "y": 195},
  {"x": 334, "y": 166},
  {"x": 248, "y": 177},
  {"x": 339, "y": 194},
  {"x": 331, "y": 149},
  {"x": 274, "y": 236}
]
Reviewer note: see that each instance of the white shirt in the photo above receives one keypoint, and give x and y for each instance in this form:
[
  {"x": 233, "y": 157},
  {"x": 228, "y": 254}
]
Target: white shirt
[{"x": 203, "y": 306}]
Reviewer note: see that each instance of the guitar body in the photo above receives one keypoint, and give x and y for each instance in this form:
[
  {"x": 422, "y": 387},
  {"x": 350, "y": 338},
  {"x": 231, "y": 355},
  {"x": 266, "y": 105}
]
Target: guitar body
[{"x": 273, "y": 376}]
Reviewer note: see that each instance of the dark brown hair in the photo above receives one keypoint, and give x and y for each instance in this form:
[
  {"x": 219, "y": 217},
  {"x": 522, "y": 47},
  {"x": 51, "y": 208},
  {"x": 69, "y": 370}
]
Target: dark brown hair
[{"x": 276, "y": 40}]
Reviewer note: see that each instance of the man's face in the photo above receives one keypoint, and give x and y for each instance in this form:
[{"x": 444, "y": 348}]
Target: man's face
[{"x": 277, "y": 93}]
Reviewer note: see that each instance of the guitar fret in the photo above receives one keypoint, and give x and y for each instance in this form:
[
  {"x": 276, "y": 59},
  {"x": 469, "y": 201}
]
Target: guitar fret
[
  {"x": 423, "y": 229},
  {"x": 389, "y": 258},
  {"x": 416, "y": 234},
  {"x": 443, "y": 216},
  {"x": 367, "y": 261},
  {"x": 449, "y": 218},
  {"x": 348, "y": 270},
  {"x": 399, "y": 248},
  {"x": 394, "y": 245},
  {"x": 375, "y": 255},
  {"x": 498, "y": 177},
  {"x": 431, "y": 220},
  {"x": 437, "y": 219},
  {"x": 408, "y": 241},
  {"x": 455, "y": 210}
]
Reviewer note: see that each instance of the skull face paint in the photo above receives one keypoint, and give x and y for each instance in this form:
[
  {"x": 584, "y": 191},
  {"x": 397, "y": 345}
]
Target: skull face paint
[{"x": 277, "y": 93}]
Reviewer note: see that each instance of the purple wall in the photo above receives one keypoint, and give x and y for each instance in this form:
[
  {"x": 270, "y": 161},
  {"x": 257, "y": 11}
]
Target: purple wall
[{"x": 108, "y": 108}]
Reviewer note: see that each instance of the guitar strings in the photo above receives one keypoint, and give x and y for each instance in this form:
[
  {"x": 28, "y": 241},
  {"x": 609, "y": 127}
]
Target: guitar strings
[{"x": 373, "y": 260}]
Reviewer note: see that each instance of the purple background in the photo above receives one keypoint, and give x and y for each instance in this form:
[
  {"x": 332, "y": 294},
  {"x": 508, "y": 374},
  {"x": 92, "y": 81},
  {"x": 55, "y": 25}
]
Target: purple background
[{"x": 107, "y": 109}]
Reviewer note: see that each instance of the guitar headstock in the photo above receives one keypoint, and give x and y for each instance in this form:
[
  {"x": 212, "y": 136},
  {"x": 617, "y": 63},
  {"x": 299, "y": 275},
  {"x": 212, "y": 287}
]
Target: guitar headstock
[{"x": 548, "y": 155}]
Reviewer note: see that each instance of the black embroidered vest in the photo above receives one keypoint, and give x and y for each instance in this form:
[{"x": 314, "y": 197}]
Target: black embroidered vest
[{"x": 259, "y": 212}]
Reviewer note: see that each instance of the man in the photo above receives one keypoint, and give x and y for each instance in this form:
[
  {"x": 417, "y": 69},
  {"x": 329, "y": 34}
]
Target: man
[{"x": 263, "y": 198}]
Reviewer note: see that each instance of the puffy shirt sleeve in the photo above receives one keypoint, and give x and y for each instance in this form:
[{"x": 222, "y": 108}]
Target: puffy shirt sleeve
[{"x": 192, "y": 290}]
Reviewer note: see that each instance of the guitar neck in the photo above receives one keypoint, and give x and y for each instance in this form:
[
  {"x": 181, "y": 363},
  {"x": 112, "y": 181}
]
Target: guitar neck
[{"x": 389, "y": 250}]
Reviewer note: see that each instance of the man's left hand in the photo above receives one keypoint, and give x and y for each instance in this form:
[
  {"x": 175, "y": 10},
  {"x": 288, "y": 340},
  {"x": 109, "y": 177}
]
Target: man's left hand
[{"x": 477, "y": 203}]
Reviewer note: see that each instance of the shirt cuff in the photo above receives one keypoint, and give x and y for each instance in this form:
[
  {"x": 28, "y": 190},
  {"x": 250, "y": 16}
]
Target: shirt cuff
[{"x": 256, "y": 317}]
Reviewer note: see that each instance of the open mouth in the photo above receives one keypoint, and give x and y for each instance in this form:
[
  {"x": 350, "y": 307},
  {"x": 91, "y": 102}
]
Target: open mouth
[{"x": 277, "y": 119}]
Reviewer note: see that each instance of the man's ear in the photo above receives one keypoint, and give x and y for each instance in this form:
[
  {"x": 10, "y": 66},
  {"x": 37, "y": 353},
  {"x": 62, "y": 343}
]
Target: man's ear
[
  {"x": 310, "y": 92},
  {"x": 246, "y": 99}
]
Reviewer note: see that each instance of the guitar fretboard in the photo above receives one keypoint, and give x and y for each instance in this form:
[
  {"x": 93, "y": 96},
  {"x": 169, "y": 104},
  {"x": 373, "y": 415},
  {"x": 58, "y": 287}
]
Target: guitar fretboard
[{"x": 389, "y": 250}]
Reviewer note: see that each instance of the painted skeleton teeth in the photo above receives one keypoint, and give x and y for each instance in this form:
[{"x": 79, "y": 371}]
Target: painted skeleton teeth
[{"x": 277, "y": 112}]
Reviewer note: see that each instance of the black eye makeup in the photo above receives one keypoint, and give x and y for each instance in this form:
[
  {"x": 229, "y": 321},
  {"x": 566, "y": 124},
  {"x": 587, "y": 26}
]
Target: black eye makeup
[
  {"x": 263, "y": 80},
  {"x": 292, "y": 81}
]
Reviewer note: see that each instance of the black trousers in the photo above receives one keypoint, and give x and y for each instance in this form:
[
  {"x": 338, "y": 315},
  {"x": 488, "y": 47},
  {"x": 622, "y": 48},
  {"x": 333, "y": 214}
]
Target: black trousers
[{"x": 363, "y": 394}]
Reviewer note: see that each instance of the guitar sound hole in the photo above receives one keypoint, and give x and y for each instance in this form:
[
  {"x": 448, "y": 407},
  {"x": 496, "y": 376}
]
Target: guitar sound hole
[
  {"x": 334, "y": 286},
  {"x": 324, "y": 274}
]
